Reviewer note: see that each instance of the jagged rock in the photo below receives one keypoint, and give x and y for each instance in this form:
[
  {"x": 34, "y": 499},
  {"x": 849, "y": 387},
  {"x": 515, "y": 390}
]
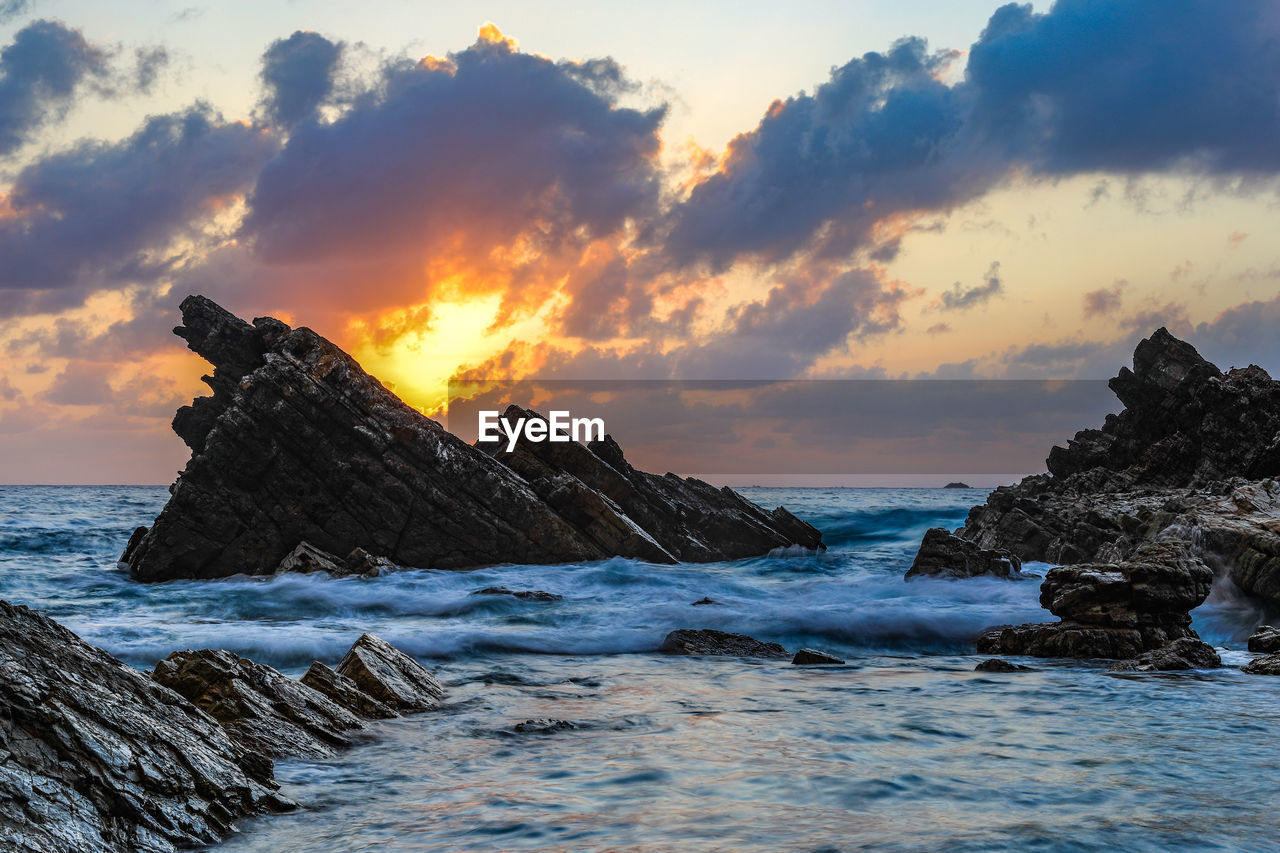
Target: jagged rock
[
  {"x": 813, "y": 657},
  {"x": 95, "y": 756},
  {"x": 1265, "y": 639},
  {"x": 704, "y": 601},
  {"x": 1193, "y": 456},
  {"x": 543, "y": 726},
  {"x": 361, "y": 562},
  {"x": 263, "y": 710},
  {"x": 1000, "y": 665},
  {"x": 1186, "y": 653},
  {"x": 390, "y": 676},
  {"x": 298, "y": 444},
  {"x": 707, "y": 641},
  {"x": 1112, "y": 610},
  {"x": 942, "y": 553},
  {"x": 632, "y": 513},
  {"x": 523, "y": 594},
  {"x": 306, "y": 558},
  {"x": 1265, "y": 665},
  {"x": 343, "y": 691}
]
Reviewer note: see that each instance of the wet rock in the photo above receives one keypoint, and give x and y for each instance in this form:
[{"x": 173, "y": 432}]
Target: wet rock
[
  {"x": 390, "y": 676},
  {"x": 1001, "y": 665},
  {"x": 298, "y": 444},
  {"x": 1265, "y": 639},
  {"x": 1112, "y": 610},
  {"x": 523, "y": 594},
  {"x": 812, "y": 657},
  {"x": 344, "y": 692},
  {"x": 544, "y": 726},
  {"x": 263, "y": 710},
  {"x": 1186, "y": 653},
  {"x": 1265, "y": 665},
  {"x": 95, "y": 756},
  {"x": 702, "y": 602},
  {"x": 307, "y": 558},
  {"x": 361, "y": 562},
  {"x": 711, "y": 642},
  {"x": 943, "y": 554}
]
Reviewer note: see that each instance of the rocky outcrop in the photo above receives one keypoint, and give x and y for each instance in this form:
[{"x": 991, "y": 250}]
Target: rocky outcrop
[
  {"x": 298, "y": 444},
  {"x": 522, "y": 594},
  {"x": 943, "y": 554},
  {"x": 1193, "y": 455},
  {"x": 1265, "y": 639},
  {"x": 813, "y": 657},
  {"x": 95, "y": 756},
  {"x": 1001, "y": 665},
  {"x": 344, "y": 692},
  {"x": 707, "y": 641},
  {"x": 1185, "y": 653},
  {"x": 390, "y": 676},
  {"x": 1112, "y": 610},
  {"x": 262, "y": 710},
  {"x": 1265, "y": 665}
]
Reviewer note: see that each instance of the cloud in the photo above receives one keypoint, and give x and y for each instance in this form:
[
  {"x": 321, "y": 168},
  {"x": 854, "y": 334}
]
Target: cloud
[
  {"x": 1103, "y": 302},
  {"x": 39, "y": 74},
  {"x": 82, "y": 383},
  {"x": 938, "y": 329},
  {"x": 149, "y": 62},
  {"x": 10, "y": 9},
  {"x": 297, "y": 73},
  {"x": 8, "y": 392},
  {"x": 107, "y": 214},
  {"x": 960, "y": 299}
]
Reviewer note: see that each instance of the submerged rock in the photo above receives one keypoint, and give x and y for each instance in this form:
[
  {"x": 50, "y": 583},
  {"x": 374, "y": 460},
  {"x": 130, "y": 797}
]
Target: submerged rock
[
  {"x": 944, "y": 554},
  {"x": 1186, "y": 653},
  {"x": 1266, "y": 639},
  {"x": 298, "y": 444},
  {"x": 95, "y": 756},
  {"x": 1265, "y": 665},
  {"x": 263, "y": 710},
  {"x": 1112, "y": 610},
  {"x": 390, "y": 676},
  {"x": 1001, "y": 665},
  {"x": 704, "y": 601},
  {"x": 523, "y": 594},
  {"x": 544, "y": 726},
  {"x": 707, "y": 641},
  {"x": 813, "y": 657}
]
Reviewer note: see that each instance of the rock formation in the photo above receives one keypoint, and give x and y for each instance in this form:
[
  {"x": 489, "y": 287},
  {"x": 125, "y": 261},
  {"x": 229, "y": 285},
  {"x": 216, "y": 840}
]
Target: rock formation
[
  {"x": 297, "y": 444},
  {"x": 707, "y": 641},
  {"x": 1186, "y": 653},
  {"x": 1001, "y": 665},
  {"x": 1265, "y": 639},
  {"x": 943, "y": 554},
  {"x": 1192, "y": 458},
  {"x": 813, "y": 657},
  {"x": 1265, "y": 665},
  {"x": 387, "y": 674},
  {"x": 96, "y": 756}
]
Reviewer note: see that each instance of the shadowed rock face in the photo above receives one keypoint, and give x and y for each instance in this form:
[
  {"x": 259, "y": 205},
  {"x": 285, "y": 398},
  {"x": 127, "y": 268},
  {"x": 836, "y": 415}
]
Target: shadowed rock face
[
  {"x": 944, "y": 554},
  {"x": 298, "y": 444},
  {"x": 95, "y": 756}
]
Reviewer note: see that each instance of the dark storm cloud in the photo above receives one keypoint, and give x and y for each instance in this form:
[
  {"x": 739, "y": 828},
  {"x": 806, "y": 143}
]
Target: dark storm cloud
[
  {"x": 959, "y": 298},
  {"x": 297, "y": 73},
  {"x": 486, "y": 147},
  {"x": 1133, "y": 87},
  {"x": 101, "y": 214},
  {"x": 39, "y": 74}
]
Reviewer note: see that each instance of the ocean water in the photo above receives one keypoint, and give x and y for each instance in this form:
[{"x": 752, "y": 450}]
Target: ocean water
[{"x": 903, "y": 748}]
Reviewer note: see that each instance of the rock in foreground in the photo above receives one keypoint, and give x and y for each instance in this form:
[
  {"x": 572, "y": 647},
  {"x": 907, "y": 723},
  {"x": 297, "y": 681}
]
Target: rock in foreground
[
  {"x": 95, "y": 756},
  {"x": 298, "y": 444},
  {"x": 708, "y": 641},
  {"x": 1186, "y": 653},
  {"x": 943, "y": 554},
  {"x": 1266, "y": 639},
  {"x": 390, "y": 676},
  {"x": 1265, "y": 665},
  {"x": 813, "y": 657},
  {"x": 1000, "y": 665}
]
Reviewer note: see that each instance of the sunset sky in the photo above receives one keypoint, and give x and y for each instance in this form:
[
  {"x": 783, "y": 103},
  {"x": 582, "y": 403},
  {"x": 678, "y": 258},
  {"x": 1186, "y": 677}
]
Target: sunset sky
[{"x": 693, "y": 190}]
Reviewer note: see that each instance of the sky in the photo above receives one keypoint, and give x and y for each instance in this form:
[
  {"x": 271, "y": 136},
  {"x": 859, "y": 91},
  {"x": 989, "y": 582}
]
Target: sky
[{"x": 614, "y": 191}]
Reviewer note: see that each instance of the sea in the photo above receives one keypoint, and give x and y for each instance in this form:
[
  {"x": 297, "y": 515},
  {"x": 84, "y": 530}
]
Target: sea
[{"x": 904, "y": 747}]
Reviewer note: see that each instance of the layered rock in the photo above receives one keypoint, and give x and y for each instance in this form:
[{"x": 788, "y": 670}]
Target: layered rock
[
  {"x": 1265, "y": 665},
  {"x": 707, "y": 641},
  {"x": 262, "y": 710},
  {"x": 387, "y": 674},
  {"x": 95, "y": 756},
  {"x": 943, "y": 554},
  {"x": 298, "y": 444},
  {"x": 1265, "y": 639},
  {"x": 1112, "y": 610}
]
